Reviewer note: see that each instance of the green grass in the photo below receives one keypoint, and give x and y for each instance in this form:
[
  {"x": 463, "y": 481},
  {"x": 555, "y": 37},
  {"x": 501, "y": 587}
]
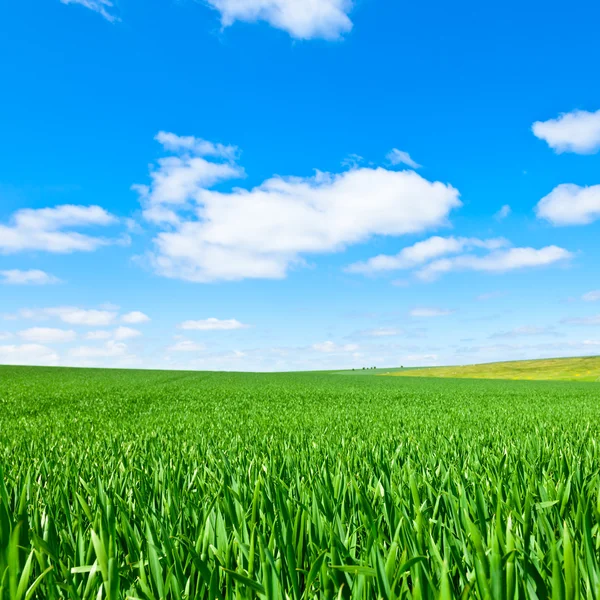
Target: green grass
[
  {"x": 551, "y": 369},
  {"x": 149, "y": 485}
]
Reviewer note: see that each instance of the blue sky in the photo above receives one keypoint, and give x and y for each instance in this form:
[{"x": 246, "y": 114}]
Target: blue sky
[{"x": 284, "y": 184}]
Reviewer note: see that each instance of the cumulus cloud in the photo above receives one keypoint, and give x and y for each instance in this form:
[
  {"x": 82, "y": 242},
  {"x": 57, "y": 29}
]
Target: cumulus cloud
[
  {"x": 302, "y": 19},
  {"x": 110, "y": 349},
  {"x": 330, "y": 346},
  {"x": 103, "y": 7},
  {"x": 126, "y": 333},
  {"x": 499, "y": 261},
  {"x": 47, "y": 335},
  {"x": 263, "y": 232},
  {"x": 99, "y": 334},
  {"x": 422, "y": 252},
  {"x": 50, "y": 229},
  {"x": 592, "y": 296},
  {"x": 135, "y": 317},
  {"x": 570, "y": 204},
  {"x": 27, "y": 354},
  {"x": 424, "y": 312},
  {"x": 397, "y": 157},
  {"x": 71, "y": 315},
  {"x": 31, "y": 277},
  {"x": 213, "y": 324},
  {"x": 577, "y": 131}
]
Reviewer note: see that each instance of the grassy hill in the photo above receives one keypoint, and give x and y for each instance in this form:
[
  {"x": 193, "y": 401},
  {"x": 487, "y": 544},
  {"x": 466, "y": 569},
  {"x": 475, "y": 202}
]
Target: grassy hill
[{"x": 553, "y": 369}]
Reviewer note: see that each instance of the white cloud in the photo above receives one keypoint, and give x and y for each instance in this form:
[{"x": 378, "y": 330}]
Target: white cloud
[
  {"x": 47, "y": 335},
  {"x": 109, "y": 350},
  {"x": 48, "y": 229},
  {"x": 135, "y": 317},
  {"x": 27, "y": 354},
  {"x": 384, "y": 332},
  {"x": 100, "y": 334},
  {"x": 499, "y": 261},
  {"x": 125, "y": 333},
  {"x": 577, "y": 131},
  {"x": 330, "y": 346},
  {"x": 194, "y": 145},
  {"x": 430, "y": 312},
  {"x": 31, "y": 277},
  {"x": 422, "y": 252},
  {"x": 263, "y": 232},
  {"x": 592, "y": 296},
  {"x": 397, "y": 157},
  {"x": 570, "y": 204},
  {"x": 71, "y": 315},
  {"x": 186, "y": 346},
  {"x": 213, "y": 324},
  {"x": 503, "y": 213},
  {"x": 302, "y": 19},
  {"x": 100, "y": 6}
]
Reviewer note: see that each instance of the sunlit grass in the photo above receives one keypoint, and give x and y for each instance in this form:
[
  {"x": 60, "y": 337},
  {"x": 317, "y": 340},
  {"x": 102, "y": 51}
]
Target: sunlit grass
[
  {"x": 149, "y": 485},
  {"x": 552, "y": 369}
]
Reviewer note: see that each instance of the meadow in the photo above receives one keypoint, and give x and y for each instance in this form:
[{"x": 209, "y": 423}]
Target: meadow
[
  {"x": 169, "y": 485},
  {"x": 581, "y": 368}
]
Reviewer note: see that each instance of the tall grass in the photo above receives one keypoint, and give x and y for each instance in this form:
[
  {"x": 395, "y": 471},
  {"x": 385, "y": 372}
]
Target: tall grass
[{"x": 179, "y": 485}]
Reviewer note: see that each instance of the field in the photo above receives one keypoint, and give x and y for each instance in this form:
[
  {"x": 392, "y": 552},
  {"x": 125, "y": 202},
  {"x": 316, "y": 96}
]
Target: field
[
  {"x": 551, "y": 369},
  {"x": 132, "y": 484}
]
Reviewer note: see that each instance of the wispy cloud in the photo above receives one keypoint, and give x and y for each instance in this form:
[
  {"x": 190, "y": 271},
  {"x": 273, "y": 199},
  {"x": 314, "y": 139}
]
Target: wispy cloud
[
  {"x": 399, "y": 157},
  {"x": 51, "y": 229},
  {"x": 213, "y": 324},
  {"x": 503, "y": 213},
  {"x": 103, "y": 7},
  {"x": 31, "y": 277},
  {"x": 592, "y": 296}
]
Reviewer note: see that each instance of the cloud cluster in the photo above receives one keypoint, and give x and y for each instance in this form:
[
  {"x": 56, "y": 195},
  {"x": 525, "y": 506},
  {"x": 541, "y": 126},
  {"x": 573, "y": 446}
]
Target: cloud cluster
[
  {"x": 498, "y": 261},
  {"x": 72, "y": 315},
  {"x": 430, "y": 257},
  {"x": 51, "y": 229},
  {"x": 422, "y": 252},
  {"x": 212, "y": 324},
  {"x": 264, "y": 231},
  {"x": 302, "y": 19},
  {"x": 577, "y": 131},
  {"x": 28, "y": 354}
]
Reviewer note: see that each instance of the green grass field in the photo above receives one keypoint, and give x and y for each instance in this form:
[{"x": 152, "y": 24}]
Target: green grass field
[
  {"x": 551, "y": 369},
  {"x": 150, "y": 485}
]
